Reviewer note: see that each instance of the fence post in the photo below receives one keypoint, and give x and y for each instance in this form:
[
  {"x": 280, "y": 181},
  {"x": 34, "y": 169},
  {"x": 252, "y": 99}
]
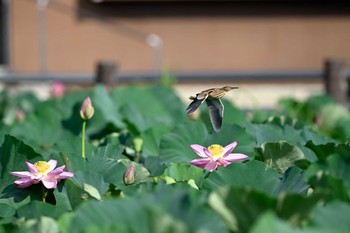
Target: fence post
[
  {"x": 335, "y": 80},
  {"x": 104, "y": 72}
]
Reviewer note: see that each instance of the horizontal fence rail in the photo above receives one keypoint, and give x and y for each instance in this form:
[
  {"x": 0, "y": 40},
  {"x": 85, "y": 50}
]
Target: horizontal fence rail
[
  {"x": 184, "y": 77},
  {"x": 335, "y": 76}
]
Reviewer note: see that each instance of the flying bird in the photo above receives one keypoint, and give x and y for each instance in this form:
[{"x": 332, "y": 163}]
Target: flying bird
[{"x": 212, "y": 97}]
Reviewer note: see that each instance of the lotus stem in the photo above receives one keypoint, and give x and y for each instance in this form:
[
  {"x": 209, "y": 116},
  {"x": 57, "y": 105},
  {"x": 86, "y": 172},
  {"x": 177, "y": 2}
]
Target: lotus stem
[
  {"x": 44, "y": 193},
  {"x": 83, "y": 140}
]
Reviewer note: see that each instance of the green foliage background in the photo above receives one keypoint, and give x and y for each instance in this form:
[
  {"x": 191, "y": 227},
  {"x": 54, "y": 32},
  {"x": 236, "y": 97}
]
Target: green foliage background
[{"x": 297, "y": 177}]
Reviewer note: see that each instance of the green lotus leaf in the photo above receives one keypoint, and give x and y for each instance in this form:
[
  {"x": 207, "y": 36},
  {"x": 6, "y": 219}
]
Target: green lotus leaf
[
  {"x": 253, "y": 174},
  {"x": 279, "y": 155}
]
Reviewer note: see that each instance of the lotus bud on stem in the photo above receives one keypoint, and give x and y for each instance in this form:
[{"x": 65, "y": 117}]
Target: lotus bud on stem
[
  {"x": 129, "y": 176},
  {"x": 138, "y": 143},
  {"x": 87, "y": 110},
  {"x": 86, "y": 113}
]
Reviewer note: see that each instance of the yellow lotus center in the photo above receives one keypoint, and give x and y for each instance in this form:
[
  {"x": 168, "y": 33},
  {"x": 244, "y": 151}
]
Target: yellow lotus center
[
  {"x": 216, "y": 150},
  {"x": 42, "y": 167}
]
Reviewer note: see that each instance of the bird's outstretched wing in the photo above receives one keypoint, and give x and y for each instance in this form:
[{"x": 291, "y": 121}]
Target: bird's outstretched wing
[
  {"x": 216, "y": 113},
  {"x": 195, "y": 104}
]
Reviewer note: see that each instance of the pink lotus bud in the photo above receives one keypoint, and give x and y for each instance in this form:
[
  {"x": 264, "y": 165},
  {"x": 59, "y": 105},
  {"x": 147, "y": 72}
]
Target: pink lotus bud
[
  {"x": 57, "y": 89},
  {"x": 20, "y": 115},
  {"x": 87, "y": 110},
  {"x": 129, "y": 176}
]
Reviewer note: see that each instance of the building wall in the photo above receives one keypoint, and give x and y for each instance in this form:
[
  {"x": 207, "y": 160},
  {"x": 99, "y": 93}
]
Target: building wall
[{"x": 202, "y": 41}]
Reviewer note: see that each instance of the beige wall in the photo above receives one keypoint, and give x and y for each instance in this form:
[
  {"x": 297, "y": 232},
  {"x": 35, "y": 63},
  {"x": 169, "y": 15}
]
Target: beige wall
[{"x": 190, "y": 43}]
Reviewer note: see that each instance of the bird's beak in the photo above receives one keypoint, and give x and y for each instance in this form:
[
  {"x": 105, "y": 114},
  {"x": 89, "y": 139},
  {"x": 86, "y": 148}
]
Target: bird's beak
[{"x": 230, "y": 88}]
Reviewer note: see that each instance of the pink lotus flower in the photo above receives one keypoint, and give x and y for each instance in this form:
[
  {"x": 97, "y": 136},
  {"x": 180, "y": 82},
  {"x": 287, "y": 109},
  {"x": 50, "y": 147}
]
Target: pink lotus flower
[
  {"x": 57, "y": 89},
  {"x": 216, "y": 155},
  {"x": 42, "y": 171}
]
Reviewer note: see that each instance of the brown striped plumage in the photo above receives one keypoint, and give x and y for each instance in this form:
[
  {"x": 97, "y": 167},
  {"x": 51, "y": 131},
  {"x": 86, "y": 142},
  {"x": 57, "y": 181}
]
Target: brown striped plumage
[{"x": 212, "y": 97}]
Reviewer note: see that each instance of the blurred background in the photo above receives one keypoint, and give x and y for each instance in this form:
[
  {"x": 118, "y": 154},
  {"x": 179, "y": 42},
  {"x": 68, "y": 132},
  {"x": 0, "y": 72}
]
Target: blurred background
[{"x": 269, "y": 48}]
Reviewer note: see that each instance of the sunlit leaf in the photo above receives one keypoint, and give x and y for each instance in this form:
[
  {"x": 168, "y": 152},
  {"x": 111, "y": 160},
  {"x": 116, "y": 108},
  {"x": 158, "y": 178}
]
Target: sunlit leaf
[
  {"x": 279, "y": 155},
  {"x": 333, "y": 216},
  {"x": 165, "y": 209},
  {"x": 253, "y": 174},
  {"x": 41, "y": 224},
  {"x": 269, "y": 222},
  {"x": 240, "y": 207},
  {"x": 185, "y": 172}
]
